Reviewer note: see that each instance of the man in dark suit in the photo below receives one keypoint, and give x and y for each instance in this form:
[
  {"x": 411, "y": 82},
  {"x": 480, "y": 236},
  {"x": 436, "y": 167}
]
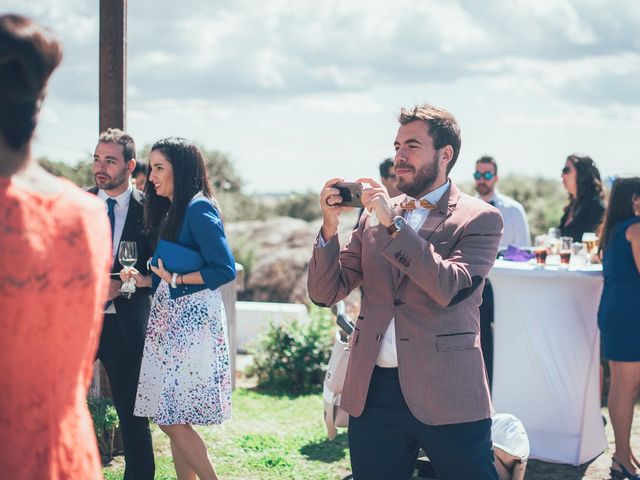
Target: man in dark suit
[
  {"x": 416, "y": 375},
  {"x": 125, "y": 319}
]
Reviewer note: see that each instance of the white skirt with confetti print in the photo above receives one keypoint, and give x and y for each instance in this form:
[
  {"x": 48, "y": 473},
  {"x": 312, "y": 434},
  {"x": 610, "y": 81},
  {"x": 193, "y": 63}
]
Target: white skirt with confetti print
[{"x": 185, "y": 376}]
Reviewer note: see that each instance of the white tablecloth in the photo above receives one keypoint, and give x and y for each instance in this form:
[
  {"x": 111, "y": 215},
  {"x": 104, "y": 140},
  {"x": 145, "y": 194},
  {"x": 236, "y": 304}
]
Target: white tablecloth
[{"x": 546, "y": 358}]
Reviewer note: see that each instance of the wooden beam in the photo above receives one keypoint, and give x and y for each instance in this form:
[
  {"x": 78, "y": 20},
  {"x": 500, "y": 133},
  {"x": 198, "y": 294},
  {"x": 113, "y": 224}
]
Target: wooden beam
[{"x": 113, "y": 64}]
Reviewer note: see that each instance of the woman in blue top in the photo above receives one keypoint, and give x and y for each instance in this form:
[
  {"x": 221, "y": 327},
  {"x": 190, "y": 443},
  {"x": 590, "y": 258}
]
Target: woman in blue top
[
  {"x": 619, "y": 316},
  {"x": 185, "y": 377}
]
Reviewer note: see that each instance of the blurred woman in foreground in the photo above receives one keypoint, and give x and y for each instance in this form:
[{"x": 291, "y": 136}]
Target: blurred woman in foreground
[
  {"x": 619, "y": 316},
  {"x": 583, "y": 213},
  {"x": 54, "y": 258}
]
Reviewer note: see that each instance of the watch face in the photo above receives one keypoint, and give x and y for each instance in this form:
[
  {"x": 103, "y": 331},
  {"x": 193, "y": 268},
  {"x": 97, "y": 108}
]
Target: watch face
[{"x": 399, "y": 222}]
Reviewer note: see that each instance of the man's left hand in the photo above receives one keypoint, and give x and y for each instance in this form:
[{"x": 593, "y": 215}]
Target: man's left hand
[{"x": 377, "y": 199}]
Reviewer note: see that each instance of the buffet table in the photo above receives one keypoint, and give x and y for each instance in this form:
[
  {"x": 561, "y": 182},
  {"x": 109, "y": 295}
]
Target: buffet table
[{"x": 546, "y": 357}]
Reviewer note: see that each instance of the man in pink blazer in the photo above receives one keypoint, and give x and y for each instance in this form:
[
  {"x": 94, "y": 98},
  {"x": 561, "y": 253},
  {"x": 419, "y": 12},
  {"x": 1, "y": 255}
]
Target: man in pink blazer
[{"x": 416, "y": 375}]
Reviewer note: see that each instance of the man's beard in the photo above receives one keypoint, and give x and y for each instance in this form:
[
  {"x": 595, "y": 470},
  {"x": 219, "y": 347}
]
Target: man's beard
[
  {"x": 423, "y": 181},
  {"x": 483, "y": 189},
  {"x": 113, "y": 183}
]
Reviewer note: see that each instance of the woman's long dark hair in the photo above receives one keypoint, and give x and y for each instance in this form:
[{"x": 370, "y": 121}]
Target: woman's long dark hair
[
  {"x": 620, "y": 207},
  {"x": 588, "y": 178},
  {"x": 163, "y": 218}
]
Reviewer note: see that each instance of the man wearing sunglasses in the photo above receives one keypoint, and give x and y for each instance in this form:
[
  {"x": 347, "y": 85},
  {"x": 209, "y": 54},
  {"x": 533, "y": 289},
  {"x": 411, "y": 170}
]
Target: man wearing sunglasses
[
  {"x": 516, "y": 226},
  {"x": 516, "y": 232}
]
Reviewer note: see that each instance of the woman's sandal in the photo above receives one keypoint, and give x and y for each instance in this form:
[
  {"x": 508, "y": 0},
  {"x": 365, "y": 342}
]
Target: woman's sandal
[{"x": 623, "y": 473}]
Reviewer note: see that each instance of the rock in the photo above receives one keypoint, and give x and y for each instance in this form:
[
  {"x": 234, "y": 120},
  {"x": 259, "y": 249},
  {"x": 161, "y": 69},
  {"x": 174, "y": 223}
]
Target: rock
[{"x": 275, "y": 254}]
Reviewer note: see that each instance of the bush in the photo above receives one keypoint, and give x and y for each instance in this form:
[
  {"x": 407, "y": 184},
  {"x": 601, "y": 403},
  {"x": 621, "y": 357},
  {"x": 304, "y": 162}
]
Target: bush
[
  {"x": 303, "y": 206},
  {"x": 105, "y": 423},
  {"x": 292, "y": 357}
]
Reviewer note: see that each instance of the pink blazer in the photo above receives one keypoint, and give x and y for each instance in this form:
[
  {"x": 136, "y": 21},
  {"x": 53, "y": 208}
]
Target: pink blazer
[{"x": 431, "y": 282}]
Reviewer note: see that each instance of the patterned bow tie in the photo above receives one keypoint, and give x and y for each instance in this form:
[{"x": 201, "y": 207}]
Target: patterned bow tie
[{"x": 413, "y": 204}]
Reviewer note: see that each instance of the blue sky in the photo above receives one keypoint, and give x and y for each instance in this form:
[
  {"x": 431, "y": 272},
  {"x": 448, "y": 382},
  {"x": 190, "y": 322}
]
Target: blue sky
[{"x": 296, "y": 92}]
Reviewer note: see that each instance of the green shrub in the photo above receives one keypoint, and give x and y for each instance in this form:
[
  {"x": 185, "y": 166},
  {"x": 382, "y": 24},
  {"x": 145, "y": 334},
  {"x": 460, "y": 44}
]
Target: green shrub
[
  {"x": 304, "y": 206},
  {"x": 292, "y": 357},
  {"x": 105, "y": 423}
]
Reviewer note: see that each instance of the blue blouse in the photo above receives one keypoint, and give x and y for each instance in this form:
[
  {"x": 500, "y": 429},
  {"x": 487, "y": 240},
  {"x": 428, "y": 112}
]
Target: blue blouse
[{"x": 202, "y": 231}]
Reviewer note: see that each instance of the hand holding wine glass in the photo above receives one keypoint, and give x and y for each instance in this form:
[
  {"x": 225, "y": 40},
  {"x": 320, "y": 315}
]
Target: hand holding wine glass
[{"x": 128, "y": 256}]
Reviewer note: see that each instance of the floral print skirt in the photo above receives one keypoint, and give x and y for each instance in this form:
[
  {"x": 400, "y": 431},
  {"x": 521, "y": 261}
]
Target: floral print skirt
[{"x": 185, "y": 376}]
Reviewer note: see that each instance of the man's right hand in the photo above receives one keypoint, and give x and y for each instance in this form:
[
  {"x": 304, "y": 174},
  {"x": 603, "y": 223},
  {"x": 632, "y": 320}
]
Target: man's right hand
[{"x": 329, "y": 197}]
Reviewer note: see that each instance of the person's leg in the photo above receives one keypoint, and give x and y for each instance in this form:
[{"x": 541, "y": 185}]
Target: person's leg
[
  {"x": 486, "y": 329},
  {"x": 623, "y": 392},
  {"x": 123, "y": 370},
  {"x": 192, "y": 450},
  {"x": 183, "y": 470},
  {"x": 379, "y": 443},
  {"x": 456, "y": 451}
]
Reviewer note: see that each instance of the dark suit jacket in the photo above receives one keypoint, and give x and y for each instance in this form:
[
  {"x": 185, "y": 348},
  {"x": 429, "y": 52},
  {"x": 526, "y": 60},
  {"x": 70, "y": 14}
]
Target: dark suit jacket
[
  {"x": 133, "y": 313},
  {"x": 430, "y": 281},
  {"x": 587, "y": 216}
]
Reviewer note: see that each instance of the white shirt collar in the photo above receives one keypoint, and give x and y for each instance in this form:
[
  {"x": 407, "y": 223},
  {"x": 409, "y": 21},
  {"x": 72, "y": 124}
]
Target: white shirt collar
[
  {"x": 434, "y": 196},
  {"x": 122, "y": 200}
]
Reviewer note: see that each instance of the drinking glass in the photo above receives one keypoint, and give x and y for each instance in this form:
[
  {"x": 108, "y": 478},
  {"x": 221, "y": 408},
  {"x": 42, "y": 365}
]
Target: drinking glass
[
  {"x": 128, "y": 256},
  {"x": 578, "y": 255},
  {"x": 553, "y": 239},
  {"x": 540, "y": 250},
  {"x": 591, "y": 241},
  {"x": 565, "y": 251}
]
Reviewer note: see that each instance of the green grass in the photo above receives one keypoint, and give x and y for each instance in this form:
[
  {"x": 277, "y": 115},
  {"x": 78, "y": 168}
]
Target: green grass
[{"x": 270, "y": 437}]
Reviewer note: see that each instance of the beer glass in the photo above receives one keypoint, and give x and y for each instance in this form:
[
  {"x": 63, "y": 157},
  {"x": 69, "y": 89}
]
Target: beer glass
[
  {"x": 565, "y": 251},
  {"x": 540, "y": 250},
  {"x": 590, "y": 242}
]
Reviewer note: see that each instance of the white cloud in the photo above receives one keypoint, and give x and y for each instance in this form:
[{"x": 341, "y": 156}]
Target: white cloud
[{"x": 329, "y": 76}]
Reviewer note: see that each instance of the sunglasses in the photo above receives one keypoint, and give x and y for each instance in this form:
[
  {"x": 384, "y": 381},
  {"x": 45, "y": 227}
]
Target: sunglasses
[
  {"x": 566, "y": 170},
  {"x": 486, "y": 175}
]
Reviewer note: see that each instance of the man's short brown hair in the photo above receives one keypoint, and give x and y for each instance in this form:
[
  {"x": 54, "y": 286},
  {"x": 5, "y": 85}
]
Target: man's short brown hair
[
  {"x": 115, "y": 135},
  {"x": 443, "y": 127},
  {"x": 490, "y": 160}
]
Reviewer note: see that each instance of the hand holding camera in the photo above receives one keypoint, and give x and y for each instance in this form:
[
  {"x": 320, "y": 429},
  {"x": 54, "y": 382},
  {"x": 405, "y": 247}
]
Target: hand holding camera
[{"x": 338, "y": 195}]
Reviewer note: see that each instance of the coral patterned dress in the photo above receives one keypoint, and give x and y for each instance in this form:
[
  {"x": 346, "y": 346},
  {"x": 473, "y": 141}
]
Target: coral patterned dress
[{"x": 54, "y": 264}]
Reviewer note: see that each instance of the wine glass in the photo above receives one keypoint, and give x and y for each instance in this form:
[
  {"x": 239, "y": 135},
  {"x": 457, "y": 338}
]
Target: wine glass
[{"x": 128, "y": 256}]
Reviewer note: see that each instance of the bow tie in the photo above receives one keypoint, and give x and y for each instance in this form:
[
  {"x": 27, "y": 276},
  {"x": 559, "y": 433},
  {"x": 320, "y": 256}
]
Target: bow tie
[{"x": 413, "y": 204}]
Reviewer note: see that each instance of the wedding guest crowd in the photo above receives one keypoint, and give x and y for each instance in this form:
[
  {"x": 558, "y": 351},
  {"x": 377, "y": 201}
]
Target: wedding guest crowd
[{"x": 421, "y": 252}]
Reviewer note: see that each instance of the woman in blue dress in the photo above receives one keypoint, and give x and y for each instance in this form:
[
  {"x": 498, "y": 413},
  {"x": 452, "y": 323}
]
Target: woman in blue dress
[
  {"x": 185, "y": 377},
  {"x": 619, "y": 316}
]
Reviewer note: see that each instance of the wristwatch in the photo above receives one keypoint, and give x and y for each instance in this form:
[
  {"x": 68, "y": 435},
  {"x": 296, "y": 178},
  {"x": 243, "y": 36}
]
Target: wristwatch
[{"x": 397, "y": 224}]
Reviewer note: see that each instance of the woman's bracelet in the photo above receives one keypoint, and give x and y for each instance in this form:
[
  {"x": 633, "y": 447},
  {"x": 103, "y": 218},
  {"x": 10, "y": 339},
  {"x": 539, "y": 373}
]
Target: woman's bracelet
[
  {"x": 174, "y": 276},
  {"x": 181, "y": 280}
]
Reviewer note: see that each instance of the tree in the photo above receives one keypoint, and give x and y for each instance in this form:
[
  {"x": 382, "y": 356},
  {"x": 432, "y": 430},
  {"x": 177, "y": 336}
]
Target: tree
[{"x": 81, "y": 173}]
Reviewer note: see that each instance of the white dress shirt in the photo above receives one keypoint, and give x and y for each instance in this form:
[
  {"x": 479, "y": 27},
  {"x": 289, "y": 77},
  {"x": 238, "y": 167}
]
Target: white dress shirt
[
  {"x": 388, "y": 353},
  {"x": 516, "y": 225},
  {"x": 120, "y": 210}
]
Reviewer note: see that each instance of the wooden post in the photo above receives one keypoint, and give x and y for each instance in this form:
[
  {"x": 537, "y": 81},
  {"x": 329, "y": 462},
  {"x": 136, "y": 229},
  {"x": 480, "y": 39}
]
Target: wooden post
[
  {"x": 113, "y": 64},
  {"x": 113, "y": 107}
]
